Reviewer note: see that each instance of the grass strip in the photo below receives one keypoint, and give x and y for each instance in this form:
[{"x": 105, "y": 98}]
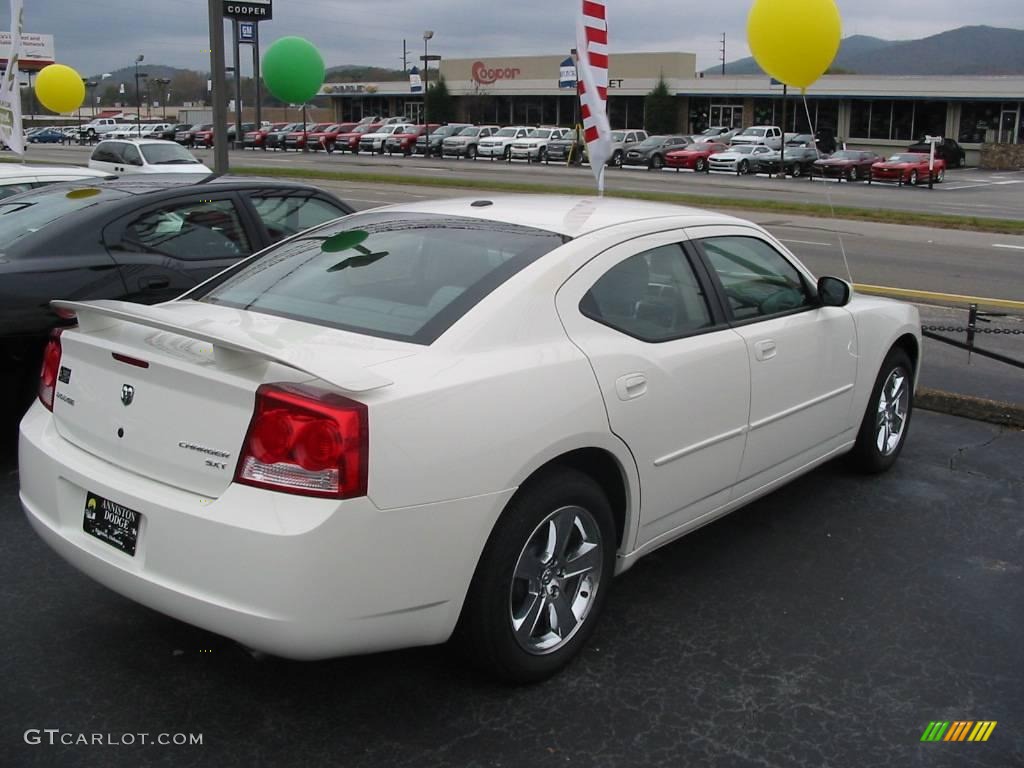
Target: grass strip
[{"x": 885, "y": 216}]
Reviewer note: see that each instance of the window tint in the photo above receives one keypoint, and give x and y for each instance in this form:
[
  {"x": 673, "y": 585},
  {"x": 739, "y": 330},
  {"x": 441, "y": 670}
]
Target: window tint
[
  {"x": 131, "y": 155},
  {"x": 190, "y": 231},
  {"x": 106, "y": 153},
  {"x": 757, "y": 279},
  {"x": 653, "y": 296},
  {"x": 399, "y": 276},
  {"x": 285, "y": 215},
  {"x": 14, "y": 189}
]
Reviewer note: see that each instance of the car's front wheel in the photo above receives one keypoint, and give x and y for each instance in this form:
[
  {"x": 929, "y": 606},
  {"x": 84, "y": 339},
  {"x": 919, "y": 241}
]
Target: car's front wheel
[
  {"x": 617, "y": 159},
  {"x": 883, "y": 430},
  {"x": 913, "y": 177},
  {"x": 797, "y": 171},
  {"x": 700, "y": 165},
  {"x": 542, "y": 579}
]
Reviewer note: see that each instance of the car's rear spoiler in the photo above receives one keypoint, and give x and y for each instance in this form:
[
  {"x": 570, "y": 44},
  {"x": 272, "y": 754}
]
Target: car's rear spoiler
[{"x": 226, "y": 341}]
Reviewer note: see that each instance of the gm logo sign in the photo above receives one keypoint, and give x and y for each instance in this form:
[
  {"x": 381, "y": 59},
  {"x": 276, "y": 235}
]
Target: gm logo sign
[{"x": 246, "y": 31}]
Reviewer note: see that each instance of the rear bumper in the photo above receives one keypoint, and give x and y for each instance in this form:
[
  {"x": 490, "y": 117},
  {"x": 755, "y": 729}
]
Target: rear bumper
[{"x": 296, "y": 577}]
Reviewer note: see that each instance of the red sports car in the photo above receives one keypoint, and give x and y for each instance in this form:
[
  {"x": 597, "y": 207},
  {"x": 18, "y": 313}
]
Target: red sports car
[
  {"x": 256, "y": 139},
  {"x": 326, "y": 138},
  {"x": 848, "y": 164},
  {"x": 349, "y": 142},
  {"x": 695, "y": 156},
  {"x": 907, "y": 168}
]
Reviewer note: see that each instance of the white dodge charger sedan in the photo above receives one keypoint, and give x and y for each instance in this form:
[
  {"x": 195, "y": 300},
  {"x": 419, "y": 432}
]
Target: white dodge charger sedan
[{"x": 457, "y": 417}]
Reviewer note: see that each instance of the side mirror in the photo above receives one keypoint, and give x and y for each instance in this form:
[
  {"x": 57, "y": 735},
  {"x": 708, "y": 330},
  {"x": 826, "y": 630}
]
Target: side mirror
[{"x": 833, "y": 292}]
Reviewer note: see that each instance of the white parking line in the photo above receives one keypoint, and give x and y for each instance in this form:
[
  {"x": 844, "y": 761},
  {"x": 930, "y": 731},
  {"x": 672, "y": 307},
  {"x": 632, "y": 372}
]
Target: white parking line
[
  {"x": 1002, "y": 245},
  {"x": 807, "y": 242}
]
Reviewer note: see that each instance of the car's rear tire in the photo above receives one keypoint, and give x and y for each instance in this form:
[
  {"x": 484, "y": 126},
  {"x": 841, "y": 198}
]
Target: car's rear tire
[
  {"x": 851, "y": 174},
  {"x": 527, "y": 613},
  {"x": 883, "y": 430},
  {"x": 657, "y": 162},
  {"x": 940, "y": 175}
]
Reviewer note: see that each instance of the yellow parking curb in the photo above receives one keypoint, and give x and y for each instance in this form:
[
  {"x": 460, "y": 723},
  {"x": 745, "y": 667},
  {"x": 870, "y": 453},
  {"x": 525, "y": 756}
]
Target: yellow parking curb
[{"x": 949, "y": 298}]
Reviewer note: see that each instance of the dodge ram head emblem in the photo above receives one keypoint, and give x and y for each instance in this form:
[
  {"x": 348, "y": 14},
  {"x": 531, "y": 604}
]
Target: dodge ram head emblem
[{"x": 127, "y": 394}]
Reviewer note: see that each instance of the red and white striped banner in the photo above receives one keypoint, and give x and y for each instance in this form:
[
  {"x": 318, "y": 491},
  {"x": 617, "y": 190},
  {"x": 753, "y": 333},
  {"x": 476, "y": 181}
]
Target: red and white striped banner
[{"x": 592, "y": 52}]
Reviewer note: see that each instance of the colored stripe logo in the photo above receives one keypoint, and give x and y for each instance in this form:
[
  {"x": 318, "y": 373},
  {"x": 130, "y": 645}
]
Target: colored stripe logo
[{"x": 958, "y": 730}]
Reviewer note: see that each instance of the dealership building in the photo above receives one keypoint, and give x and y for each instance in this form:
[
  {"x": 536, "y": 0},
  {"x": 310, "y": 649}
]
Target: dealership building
[{"x": 878, "y": 112}]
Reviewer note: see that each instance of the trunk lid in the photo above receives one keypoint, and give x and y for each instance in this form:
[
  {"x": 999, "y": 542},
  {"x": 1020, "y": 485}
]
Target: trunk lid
[{"x": 182, "y": 418}]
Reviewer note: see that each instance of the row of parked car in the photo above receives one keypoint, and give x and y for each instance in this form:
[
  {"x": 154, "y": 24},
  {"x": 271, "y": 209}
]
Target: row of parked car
[{"x": 757, "y": 149}]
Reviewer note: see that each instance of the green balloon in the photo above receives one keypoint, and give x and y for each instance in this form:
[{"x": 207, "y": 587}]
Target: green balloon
[{"x": 293, "y": 70}]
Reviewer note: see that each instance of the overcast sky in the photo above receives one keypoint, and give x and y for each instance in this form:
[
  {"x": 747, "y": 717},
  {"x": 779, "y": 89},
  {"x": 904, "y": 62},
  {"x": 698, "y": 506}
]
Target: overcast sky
[{"x": 101, "y": 35}]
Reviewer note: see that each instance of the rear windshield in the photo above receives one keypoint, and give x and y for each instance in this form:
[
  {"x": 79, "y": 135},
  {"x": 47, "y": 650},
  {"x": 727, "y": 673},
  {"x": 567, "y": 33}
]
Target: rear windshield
[
  {"x": 33, "y": 211},
  {"x": 167, "y": 153},
  {"x": 398, "y": 276}
]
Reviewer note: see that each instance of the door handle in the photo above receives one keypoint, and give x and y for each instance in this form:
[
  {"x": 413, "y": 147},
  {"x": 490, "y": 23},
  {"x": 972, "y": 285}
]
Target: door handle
[
  {"x": 630, "y": 386},
  {"x": 765, "y": 349},
  {"x": 154, "y": 283}
]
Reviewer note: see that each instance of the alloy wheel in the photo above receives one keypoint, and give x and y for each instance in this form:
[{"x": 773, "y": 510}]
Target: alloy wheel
[
  {"x": 556, "y": 580},
  {"x": 893, "y": 405}
]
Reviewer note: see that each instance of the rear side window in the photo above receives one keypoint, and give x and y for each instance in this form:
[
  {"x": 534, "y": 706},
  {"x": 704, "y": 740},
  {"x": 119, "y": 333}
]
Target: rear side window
[
  {"x": 190, "y": 231},
  {"x": 653, "y": 296},
  {"x": 107, "y": 152},
  {"x": 406, "y": 277}
]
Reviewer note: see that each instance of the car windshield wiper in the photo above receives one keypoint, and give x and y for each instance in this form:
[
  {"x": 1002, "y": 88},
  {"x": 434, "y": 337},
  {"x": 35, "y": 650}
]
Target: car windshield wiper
[{"x": 176, "y": 161}]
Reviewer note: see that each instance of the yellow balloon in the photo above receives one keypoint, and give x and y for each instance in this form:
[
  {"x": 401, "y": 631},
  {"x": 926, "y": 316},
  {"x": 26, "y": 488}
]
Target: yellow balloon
[
  {"x": 59, "y": 88},
  {"x": 794, "y": 41}
]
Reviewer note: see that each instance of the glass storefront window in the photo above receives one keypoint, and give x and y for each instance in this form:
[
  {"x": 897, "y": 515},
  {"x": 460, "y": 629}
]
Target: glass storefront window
[
  {"x": 991, "y": 121},
  {"x": 860, "y": 118},
  {"x": 929, "y": 119},
  {"x": 881, "y": 119},
  {"x": 902, "y": 120}
]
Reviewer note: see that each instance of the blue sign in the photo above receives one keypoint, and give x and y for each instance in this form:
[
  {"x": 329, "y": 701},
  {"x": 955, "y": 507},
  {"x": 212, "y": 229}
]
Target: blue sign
[
  {"x": 247, "y": 31},
  {"x": 567, "y": 74},
  {"x": 415, "y": 82}
]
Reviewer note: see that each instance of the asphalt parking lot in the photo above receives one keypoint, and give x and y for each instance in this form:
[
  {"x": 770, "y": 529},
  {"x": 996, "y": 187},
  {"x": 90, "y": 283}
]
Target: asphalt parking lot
[{"x": 825, "y": 625}]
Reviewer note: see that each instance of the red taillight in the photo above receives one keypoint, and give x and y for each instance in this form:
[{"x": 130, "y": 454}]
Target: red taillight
[
  {"x": 50, "y": 370},
  {"x": 306, "y": 441}
]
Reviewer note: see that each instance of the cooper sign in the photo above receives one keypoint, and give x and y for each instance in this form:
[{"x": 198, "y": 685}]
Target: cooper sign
[
  {"x": 486, "y": 75},
  {"x": 249, "y": 10}
]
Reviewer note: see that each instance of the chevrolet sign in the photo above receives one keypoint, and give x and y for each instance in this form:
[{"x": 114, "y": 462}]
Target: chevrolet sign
[{"x": 248, "y": 10}]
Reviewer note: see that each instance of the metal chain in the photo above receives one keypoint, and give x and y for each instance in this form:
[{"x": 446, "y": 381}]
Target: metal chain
[{"x": 955, "y": 329}]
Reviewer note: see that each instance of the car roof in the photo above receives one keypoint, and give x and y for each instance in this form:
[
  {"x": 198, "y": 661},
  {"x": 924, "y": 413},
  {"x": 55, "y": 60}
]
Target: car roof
[
  {"x": 142, "y": 184},
  {"x": 137, "y": 141},
  {"x": 18, "y": 171},
  {"x": 564, "y": 214}
]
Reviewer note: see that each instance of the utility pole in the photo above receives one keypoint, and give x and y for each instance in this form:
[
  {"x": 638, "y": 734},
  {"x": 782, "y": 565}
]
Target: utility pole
[
  {"x": 723, "y": 54},
  {"x": 405, "y": 57},
  {"x": 138, "y": 96},
  {"x": 220, "y": 107}
]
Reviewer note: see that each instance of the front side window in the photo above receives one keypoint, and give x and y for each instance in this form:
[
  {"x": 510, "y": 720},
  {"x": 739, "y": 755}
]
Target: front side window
[
  {"x": 398, "y": 276},
  {"x": 285, "y": 215},
  {"x": 190, "y": 231},
  {"x": 758, "y": 280},
  {"x": 653, "y": 296}
]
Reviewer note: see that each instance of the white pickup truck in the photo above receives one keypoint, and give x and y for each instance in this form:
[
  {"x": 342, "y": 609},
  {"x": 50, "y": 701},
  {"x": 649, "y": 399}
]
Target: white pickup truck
[
  {"x": 100, "y": 126},
  {"x": 767, "y": 135}
]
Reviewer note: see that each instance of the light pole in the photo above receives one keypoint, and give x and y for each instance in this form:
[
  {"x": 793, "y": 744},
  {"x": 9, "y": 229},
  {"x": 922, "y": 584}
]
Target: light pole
[
  {"x": 164, "y": 81},
  {"x": 138, "y": 95},
  {"x": 426, "y": 90}
]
